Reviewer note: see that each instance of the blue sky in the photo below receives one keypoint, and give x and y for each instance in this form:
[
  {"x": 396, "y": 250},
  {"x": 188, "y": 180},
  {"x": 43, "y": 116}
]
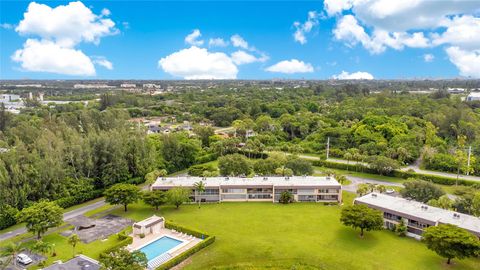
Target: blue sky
[{"x": 141, "y": 33}]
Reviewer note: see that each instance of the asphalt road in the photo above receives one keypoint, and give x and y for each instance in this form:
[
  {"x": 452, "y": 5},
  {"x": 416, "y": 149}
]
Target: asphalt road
[{"x": 68, "y": 215}]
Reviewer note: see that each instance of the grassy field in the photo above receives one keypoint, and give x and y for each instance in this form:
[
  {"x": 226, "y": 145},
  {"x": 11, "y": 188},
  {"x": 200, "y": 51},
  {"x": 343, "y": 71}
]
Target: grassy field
[{"x": 295, "y": 236}]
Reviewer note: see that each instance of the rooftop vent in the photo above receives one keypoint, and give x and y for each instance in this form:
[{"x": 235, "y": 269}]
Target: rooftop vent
[
  {"x": 265, "y": 178},
  {"x": 327, "y": 177},
  {"x": 374, "y": 195},
  {"x": 164, "y": 178},
  {"x": 204, "y": 178},
  {"x": 455, "y": 215},
  {"x": 424, "y": 207},
  {"x": 287, "y": 178}
]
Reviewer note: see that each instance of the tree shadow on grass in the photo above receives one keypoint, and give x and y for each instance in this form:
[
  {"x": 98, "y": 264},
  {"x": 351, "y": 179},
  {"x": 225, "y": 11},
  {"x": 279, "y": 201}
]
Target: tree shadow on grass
[{"x": 349, "y": 238}]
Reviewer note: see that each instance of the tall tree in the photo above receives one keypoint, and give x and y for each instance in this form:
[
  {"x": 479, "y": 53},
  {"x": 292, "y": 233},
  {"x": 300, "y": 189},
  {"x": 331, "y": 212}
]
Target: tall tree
[
  {"x": 155, "y": 198},
  {"x": 123, "y": 194},
  {"x": 234, "y": 165},
  {"x": 199, "y": 189},
  {"x": 122, "y": 259},
  {"x": 11, "y": 250},
  {"x": 421, "y": 191},
  {"x": 178, "y": 196},
  {"x": 363, "y": 217},
  {"x": 73, "y": 240},
  {"x": 41, "y": 216},
  {"x": 451, "y": 242}
]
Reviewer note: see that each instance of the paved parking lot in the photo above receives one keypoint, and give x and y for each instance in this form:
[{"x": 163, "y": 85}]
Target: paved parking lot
[
  {"x": 89, "y": 230},
  {"x": 35, "y": 258}
]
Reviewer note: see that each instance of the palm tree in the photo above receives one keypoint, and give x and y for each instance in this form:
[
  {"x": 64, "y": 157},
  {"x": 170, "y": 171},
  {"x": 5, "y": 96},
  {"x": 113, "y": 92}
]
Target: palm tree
[
  {"x": 199, "y": 188},
  {"x": 12, "y": 250},
  {"x": 42, "y": 247},
  {"x": 73, "y": 241}
]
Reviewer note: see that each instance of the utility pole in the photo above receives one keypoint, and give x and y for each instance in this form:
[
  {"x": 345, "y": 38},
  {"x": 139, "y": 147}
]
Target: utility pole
[
  {"x": 468, "y": 160},
  {"x": 328, "y": 146}
]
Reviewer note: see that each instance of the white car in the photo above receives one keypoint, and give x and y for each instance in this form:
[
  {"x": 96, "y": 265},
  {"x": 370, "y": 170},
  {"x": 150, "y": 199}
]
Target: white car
[
  {"x": 24, "y": 259},
  {"x": 390, "y": 191}
]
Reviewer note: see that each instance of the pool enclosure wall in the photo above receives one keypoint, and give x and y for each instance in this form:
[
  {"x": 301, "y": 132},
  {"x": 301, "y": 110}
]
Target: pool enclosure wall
[
  {"x": 268, "y": 189},
  {"x": 151, "y": 225}
]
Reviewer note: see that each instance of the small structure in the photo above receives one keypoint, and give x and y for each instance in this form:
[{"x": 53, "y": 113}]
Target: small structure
[
  {"x": 151, "y": 225},
  {"x": 473, "y": 96}
]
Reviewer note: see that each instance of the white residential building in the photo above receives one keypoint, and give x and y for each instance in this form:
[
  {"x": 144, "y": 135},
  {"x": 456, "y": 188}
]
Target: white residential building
[
  {"x": 416, "y": 215},
  {"x": 219, "y": 189}
]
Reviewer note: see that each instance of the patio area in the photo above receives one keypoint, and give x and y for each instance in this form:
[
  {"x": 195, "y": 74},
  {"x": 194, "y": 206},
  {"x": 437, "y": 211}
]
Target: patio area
[{"x": 153, "y": 229}]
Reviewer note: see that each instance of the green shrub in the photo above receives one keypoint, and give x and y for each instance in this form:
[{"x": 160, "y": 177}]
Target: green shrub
[
  {"x": 7, "y": 216},
  {"x": 118, "y": 245},
  {"x": 208, "y": 241},
  {"x": 121, "y": 236},
  {"x": 173, "y": 226},
  {"x": 142, "y": 235}
]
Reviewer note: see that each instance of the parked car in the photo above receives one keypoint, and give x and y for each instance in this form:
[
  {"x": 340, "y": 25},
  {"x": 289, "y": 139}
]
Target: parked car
[
  {"x": 24, "y": 259},
  {"x": 390, "y": 191}
]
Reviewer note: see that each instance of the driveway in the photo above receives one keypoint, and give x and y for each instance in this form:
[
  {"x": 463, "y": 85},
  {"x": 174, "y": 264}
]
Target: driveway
[{"x": 355, "y": 181}]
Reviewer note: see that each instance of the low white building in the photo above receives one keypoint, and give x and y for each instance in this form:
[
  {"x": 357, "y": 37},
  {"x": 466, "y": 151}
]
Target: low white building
[
  {"x": 473, "y": 96},
  {"x": 259, "y": 188},
  {"x": 151, "y": 225},
  {"x": 417, "y": 216}
]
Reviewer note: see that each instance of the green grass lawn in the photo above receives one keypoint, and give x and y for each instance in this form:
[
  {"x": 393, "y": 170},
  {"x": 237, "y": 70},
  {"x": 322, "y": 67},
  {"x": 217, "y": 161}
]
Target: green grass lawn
[{"x": 296, "y": 236}]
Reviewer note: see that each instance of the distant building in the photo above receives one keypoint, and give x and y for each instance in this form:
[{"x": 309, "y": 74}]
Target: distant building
[
  {"x": 128, "y": 85},
  {"x": 416, "y": 215},
  {"x": 456, "y": 90},
  {"x": 222, "y": 189},
  {"x": 4, "y": 98},
  {"x": 474, "y": 96},
  {"x": 92, "y": 86},
  {"x": 151, "y": 85}
]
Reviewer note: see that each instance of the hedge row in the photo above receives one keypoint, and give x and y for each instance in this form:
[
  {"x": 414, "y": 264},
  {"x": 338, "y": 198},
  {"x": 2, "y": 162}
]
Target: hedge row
[
  {"x": 396, "y": 173},
  {"x": 174, "y": 226},
  {"x": 207, "y": 240},
  {"x": 127, "y": 241},
  {"x": 180, "y": 258}
]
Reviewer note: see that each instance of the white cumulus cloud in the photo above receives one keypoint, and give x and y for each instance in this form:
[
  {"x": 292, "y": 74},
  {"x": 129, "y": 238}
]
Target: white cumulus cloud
[
  {"x": 102, "y": 61},
  {"x": 198, "y": 63},
  {"x": 217, "y": 42},
  {"x": 360, "y": 75},
  {"x": 66, "y": 25},
  {"x": 381, "y": 24},
  {"x": 467, "y": 61},
  {"x": 304, "y": 28},
  {"x": 47, "y": 56},
  {"x": 59, "y": 31},
  {"x": 193, "y": 38},
  {"x": 238, "y": 41},
  {"x": 290, "y": 67},
  {"x": 241, "y": 57},
  {"x": 428, "y": 57}
]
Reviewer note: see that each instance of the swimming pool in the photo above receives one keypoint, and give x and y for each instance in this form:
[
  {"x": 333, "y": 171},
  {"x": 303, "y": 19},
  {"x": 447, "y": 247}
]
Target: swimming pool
[{"x": 159, "y": 247}]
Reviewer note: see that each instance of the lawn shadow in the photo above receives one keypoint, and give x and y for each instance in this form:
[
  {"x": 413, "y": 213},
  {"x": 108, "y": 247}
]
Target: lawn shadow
[{"x": 350, "y": 239}]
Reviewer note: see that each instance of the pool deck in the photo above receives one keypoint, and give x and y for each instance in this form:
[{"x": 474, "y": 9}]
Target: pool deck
[{"x": 188, "y": 240}]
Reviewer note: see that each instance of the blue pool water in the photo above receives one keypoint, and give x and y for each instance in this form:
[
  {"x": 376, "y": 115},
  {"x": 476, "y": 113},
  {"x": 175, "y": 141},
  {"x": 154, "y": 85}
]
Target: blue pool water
[{"x": 159, "y": 246}]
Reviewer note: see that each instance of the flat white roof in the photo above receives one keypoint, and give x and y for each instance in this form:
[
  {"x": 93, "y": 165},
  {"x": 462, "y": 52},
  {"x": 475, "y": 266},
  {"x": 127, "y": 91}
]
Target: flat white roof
[
  {"x": 281, "y": 181},
  {"x": 149, "y": 221},
  {"x": 417, "y": 209}
]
